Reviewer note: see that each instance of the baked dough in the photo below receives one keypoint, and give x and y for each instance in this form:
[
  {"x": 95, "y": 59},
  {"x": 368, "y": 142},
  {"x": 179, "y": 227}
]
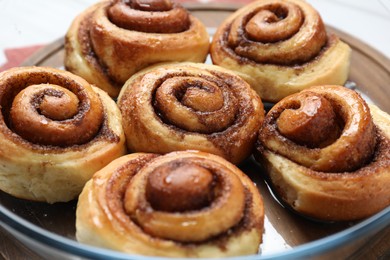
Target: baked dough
[
  {"x": 184, "y": 106},
  {"x": 280, "y": 48},
  {"x": 56, "y": 130},
  {"x": 335, "y": 175},
  {"x": 182, "y": 204},
  {"x": 111, "y": 40}
]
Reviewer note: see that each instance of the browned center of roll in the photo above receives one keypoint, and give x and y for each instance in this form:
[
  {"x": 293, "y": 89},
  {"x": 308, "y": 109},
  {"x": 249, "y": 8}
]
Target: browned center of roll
[
  {"x": 181, "y": 188},
  {"x": 150, "y": 5},
  {"x": 312, "y": 124},
  {"x": 49, "y": 114},
  {"x": 281, "y": 32},
  {"x": 274, "y": 23},
  {"x": 150, "y": 16},
  {"x": 59, "y": 105},
  {"x": 325, "y": 128},
  {"x": 188, "y": 199},
  {"x": 201, "y": 100},
  {"x": 196, "y": 104}
]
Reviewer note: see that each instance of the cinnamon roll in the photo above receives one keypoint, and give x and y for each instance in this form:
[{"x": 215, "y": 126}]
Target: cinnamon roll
[
  {"x": 56, "y": 130},
  {"x": 280, "y": 48},
  {"x": 112, "y": 40},
  {"x": 327, "y": 153},
  {"x": 190, "y": 106},
  {"x": 182, "y": 204}
]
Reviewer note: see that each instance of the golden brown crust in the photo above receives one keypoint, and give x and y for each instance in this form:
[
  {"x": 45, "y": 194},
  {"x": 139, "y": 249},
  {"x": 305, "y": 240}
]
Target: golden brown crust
[
  {"x": 190, "y": 106},
  {"x": 114, "y": 210},
  {"x": 48, "y": 155},
  {"x": 347, "y": 178},
  {"x": 278, "y": 62},
  {"x": 158, "y": 16},
  {"x": 101, "y": 49}
]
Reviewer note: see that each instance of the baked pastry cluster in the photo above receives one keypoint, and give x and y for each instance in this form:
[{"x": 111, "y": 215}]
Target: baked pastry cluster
[
  {"x": 112, "y": 40},
  {"x": 185, "y": 125},
  {"x": 280, "y": 48},
  {"x": 190, "y": 106},
  {"x": 56, "y": 131},
  {"x": 181, "y": 204},
  {"x": 327, "y": 153}
]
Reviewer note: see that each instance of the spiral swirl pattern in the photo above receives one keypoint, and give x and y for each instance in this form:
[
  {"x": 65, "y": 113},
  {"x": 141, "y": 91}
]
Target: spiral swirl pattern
[
  {"x": 327, "y": 153},
  {"x": 282, "y": 45},
  {"x": 325, "y": 128},
  {"x": 190, "y": 106},
  {"x": 172, "y": 203},
  {"x": 296, "y": 31},
  {"x": 47, "y": 117},
  {"x": 51, "y": 114},
  {"x": 112, "y": 40}
]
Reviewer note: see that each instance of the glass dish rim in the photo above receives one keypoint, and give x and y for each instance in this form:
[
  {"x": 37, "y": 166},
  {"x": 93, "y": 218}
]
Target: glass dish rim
[{"x": 367, "y": 226}]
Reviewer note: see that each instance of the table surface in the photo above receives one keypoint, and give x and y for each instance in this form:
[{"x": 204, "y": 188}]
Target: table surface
[{"x": 25, "y": 25}]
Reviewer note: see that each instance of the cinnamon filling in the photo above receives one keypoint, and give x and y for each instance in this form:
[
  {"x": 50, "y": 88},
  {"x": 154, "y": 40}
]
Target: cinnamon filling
[
  {"x": 196, "y": 104},
  {"x": 53, "y": 109},
  {"x": 183, "y": 199},
  {"x": 274, "y": 23},
  {"x": 324, "y": 128},
  {"x": 58, "y": 105},
  {"x": 282, "y": 33}
]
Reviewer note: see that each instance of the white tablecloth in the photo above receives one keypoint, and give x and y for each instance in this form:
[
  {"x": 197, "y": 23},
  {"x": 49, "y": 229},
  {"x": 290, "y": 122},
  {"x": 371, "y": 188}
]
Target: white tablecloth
[{"x": 24, "y": 23}]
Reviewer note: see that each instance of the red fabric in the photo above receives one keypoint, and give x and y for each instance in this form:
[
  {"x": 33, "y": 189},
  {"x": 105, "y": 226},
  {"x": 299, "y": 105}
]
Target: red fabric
[{"x": 15, "y": 56}]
